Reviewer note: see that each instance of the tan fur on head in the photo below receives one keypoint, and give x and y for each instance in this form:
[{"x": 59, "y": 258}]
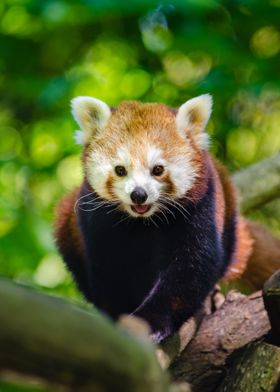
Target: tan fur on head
[
  {"x": 91, "y": 114},
  {"x": 193, "y": 116}
]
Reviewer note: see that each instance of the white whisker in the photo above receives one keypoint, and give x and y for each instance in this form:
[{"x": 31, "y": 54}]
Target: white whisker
[
  {"x": 175, "y": 204},
  {"x": 151, "y": 219},
  {"x": 122, "y": 220}
]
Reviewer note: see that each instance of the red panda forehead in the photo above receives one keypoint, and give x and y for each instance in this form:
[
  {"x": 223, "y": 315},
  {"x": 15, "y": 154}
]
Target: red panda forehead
[
  {"x": 134, "y": 117},
  {"x": 138, "y": 128},
  {"x": 138, "y": 124}
]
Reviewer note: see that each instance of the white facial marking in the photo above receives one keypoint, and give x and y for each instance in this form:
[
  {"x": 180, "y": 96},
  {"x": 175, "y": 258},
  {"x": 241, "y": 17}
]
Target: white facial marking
[
  {"x": 99, "y": 167},
  {"x": 154, "y": 156},
  {"x": 123, "y": 157},
  {"x": 182, "y": 174}
]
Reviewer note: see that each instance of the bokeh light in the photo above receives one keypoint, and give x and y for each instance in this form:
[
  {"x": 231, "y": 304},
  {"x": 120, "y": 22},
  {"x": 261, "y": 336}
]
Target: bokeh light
[{"x": 266, "y": 42}]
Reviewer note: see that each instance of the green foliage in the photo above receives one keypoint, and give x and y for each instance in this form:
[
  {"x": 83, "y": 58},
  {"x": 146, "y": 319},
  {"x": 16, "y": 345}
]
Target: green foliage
[{"x": 53, "y": 50}]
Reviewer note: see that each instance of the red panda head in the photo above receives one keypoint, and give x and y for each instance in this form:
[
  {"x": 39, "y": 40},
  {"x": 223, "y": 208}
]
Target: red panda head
[{"x": 142, "y": 156}]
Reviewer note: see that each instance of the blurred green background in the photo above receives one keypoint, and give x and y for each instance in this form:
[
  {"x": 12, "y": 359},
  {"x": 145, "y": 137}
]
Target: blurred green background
[
  {"x": 162, "y": 51},
  {"x": 53, "y": 50}
]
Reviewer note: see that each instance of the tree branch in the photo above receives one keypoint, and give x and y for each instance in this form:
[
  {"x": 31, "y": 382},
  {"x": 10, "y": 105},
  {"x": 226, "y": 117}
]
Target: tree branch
[
  {"x": 66, "y": 345},
  {"x": 259, "y": 183},
  {"x": 255, "y": 368},
  {"x": 229, "y": 328}
]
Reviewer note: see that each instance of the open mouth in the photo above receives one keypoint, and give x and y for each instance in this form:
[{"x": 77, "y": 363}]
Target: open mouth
[{"x": 140, "y": 208}]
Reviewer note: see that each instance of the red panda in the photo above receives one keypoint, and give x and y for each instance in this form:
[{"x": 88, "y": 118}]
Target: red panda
[{"x": 155, "y": 223}]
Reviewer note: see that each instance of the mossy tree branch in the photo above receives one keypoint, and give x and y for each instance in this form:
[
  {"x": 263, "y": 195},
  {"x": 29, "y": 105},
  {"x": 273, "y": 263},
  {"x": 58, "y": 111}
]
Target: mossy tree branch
[{"x": 66, "y": 345}]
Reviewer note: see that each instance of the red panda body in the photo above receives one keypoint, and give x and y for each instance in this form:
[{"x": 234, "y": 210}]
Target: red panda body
[{"x": 155, "y": 224}]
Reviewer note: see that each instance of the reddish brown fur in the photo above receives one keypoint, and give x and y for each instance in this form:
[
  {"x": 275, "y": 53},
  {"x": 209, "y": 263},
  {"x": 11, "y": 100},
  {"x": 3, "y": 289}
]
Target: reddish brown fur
[
  {"x": 169, "y": 185},
  {"x": 265, "y": 257},
  {"x": 219, "y": 203},
  {"x": 225, "y": 206},
  {"x": 66, "y": 225},
  {"x": 228, "y": 189},
  {"x": 243, "y": 251},
  {"x": 178, "y": 303},
  {"x": 200, "y": 183},
  {"x": 109, "y": 187}
]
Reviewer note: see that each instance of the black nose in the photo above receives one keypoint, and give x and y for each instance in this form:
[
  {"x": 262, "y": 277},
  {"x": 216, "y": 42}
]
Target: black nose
[{"x": 138, "y": 195}]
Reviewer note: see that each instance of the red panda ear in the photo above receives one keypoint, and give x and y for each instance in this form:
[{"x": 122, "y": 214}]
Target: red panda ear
[
  {"x": 193, "y": 116},
  {"x": 91, "y": 114}
]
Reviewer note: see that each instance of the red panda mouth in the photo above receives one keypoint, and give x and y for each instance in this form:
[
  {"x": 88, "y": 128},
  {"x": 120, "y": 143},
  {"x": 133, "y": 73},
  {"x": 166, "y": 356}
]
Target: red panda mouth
[{"x": 140, "y": 208}]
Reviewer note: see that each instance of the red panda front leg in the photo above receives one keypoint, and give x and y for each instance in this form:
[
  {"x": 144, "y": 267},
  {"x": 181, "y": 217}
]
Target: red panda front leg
[
  {"x": 182, "y": 288},
  {"x": 177, "y": 295}
]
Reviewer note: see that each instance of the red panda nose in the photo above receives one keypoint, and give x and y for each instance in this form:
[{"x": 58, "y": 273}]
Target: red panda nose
[{"x": 138, "y": 195}]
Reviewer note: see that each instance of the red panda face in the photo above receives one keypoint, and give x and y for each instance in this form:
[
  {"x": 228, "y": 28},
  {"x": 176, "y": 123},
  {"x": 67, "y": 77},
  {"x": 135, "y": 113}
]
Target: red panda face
[{"x": 139, "y": 156}]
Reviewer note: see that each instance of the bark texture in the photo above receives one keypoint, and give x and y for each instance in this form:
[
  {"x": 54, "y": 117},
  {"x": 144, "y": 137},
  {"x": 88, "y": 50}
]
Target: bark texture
[
  {"x": 256, "y": 368},
  {"x": 229, "y": 328}
]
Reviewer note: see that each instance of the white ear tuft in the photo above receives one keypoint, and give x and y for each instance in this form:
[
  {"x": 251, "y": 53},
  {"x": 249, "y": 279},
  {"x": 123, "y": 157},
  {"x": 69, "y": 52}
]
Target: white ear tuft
[
  {"x": 91, "y": 114},
  {"x": 193, "y": 116}
]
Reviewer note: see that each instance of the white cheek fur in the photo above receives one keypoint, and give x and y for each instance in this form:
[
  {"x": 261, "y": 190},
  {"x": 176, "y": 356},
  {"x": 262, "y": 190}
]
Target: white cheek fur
[
  {"x": 98, "y": 169},
  {"x": 182, "y": 174}
]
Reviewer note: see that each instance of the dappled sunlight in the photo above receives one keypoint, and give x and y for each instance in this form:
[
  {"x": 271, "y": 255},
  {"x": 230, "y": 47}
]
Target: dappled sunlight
[
  {"x": 45, "y": 190},
  {"x": 11, "y": 143},
  {"x": 51, "y": 271},
  {"x": 69, "y": 172},
  {"x": 44, "y": 149},
  {"x": 17, "y": 21},
  {"x": 7, "y": 223},
  {"x": 241, "y": 146},
  {"x": 265, "y": 42},
  {"x": 260, "y": 137},
  {"x": 182, "y": 71}
]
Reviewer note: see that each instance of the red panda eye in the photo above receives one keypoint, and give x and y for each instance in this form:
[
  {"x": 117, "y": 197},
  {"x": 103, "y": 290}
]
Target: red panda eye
[
  {"x": 120, "y": 171},
  {"x": 157, "y": 170}
]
